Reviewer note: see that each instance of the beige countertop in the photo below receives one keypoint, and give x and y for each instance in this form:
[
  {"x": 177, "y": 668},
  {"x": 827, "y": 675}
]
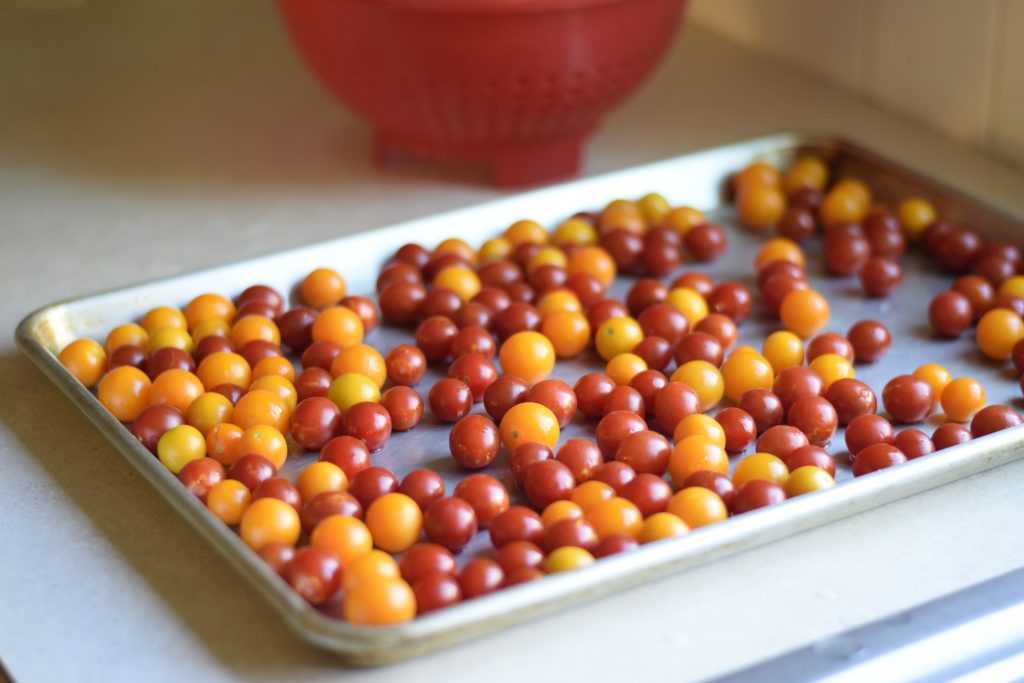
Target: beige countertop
[{"x": 138, "y": 143}]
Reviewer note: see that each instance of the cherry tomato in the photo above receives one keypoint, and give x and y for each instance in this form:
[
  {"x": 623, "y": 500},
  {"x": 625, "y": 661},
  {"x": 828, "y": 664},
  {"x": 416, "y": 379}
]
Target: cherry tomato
[{"x": 527, "y": 355}]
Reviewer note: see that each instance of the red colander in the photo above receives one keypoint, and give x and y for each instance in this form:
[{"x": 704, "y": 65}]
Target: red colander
[{"x": 516, "y": 85}]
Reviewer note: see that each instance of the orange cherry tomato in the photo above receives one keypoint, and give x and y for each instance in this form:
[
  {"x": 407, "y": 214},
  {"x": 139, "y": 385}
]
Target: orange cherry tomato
[
  {"x": 527, "y": 355},
  {"x": 86, "y": 360},
  {"x": 338, "y": 325},
  {"x": 323, "y": 287},
  {"x": 176, "y": 388},
  {"x": 380, "y": 602},
  {"x": 208, "y": 307},
  {"x": 124, "y": 391},
  {"x": 269, "y": 520},
  {"x": 261, "y": 407},
  {"x": 262, "y": 440},
  {"x": 252, "y": 328},
  {"x": 363, "y": 359},
  {"x": 224, "y": 367},
  {"x": 529, "y": 422},
  {"x": 569, "y": 333},
  {"x": 395, "y": 522}
]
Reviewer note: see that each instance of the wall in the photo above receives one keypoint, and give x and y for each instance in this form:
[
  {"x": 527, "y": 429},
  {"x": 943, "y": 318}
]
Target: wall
[{"x": 957, "y": 65}]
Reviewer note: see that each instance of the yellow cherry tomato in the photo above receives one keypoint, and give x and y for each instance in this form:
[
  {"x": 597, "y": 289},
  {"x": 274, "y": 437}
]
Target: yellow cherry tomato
[
  {"x": 547, "y": 256},
  {"x": 807, "y": 479},
  {"x": 460, "y": 279},
  {"x": 831, "y": 367},
  {"x": 617, "y": 335},
  {"x": 172, "y": 337},
  {"x": 567, "y": 558},
  {"x": 495, "y": 249},
  {"x": 575, "y": 231},
  {"x": 179, "y": 446},
  {"x": 351, "y": 388},
  {"x": 783, "y": 349},
  {"x": 916, "y": 214},
  {"x": 762, "y": 466},
  {"x": 705, "y": 379},
  {"x": 1013, "y": 286},
  {"x": 654, "y": 208},
  {"x": 690, "y": 303},
  {"x": 209, "y": 410},
  {"x": 662, "y": 525}
]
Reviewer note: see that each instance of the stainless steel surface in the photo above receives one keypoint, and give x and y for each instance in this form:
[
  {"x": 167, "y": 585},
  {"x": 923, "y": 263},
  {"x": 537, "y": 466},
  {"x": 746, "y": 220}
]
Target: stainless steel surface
[
  {"x": 974, "y": 634},
  {"x": 694, "y": 179}
]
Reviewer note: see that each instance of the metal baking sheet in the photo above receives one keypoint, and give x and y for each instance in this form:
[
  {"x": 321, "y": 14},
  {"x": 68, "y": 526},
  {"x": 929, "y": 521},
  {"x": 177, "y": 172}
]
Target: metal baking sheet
[{"x": 696, "y": 179}]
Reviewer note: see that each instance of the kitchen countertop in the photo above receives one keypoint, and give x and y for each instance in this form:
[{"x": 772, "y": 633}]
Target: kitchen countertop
[{"x": 195, "y": 137}]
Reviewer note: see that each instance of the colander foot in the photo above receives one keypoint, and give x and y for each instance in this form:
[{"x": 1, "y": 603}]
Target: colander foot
[{"x": 537, "y": 163}]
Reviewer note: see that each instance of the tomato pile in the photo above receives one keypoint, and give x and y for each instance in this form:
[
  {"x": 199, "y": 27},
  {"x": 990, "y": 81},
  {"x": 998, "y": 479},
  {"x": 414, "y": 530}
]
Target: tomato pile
[{"x": 214, "y": 392}]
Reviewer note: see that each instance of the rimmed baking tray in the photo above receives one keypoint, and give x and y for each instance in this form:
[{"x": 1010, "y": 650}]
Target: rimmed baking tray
[{"x": 696, "y": 179}]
